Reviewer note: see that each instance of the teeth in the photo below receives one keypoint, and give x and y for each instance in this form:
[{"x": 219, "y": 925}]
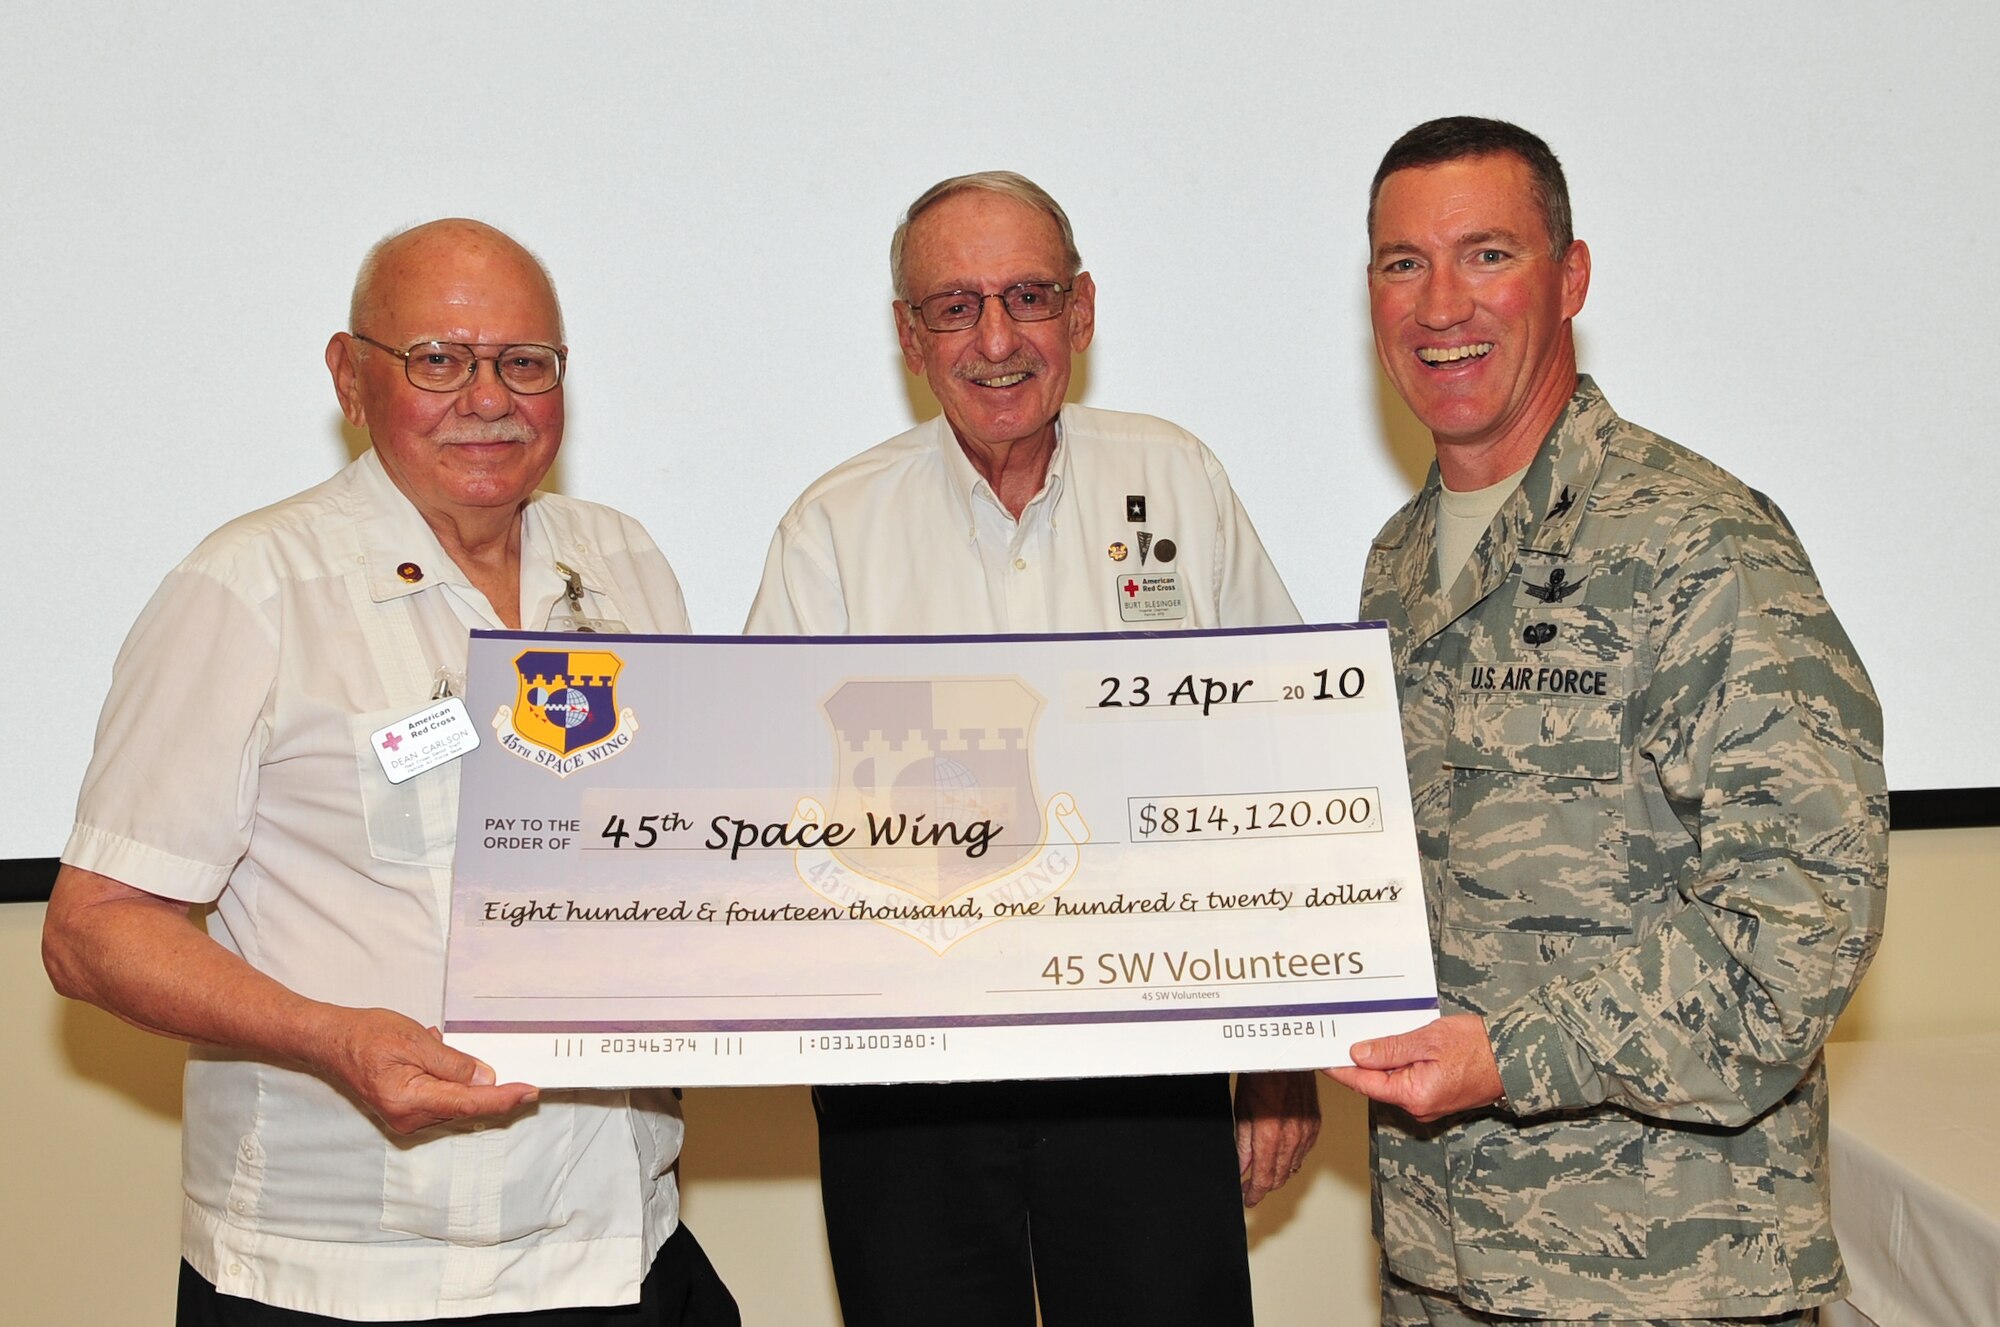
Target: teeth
[
  {"x": 1007, "y": 380},
  {"x": 1452, "y": 354}
]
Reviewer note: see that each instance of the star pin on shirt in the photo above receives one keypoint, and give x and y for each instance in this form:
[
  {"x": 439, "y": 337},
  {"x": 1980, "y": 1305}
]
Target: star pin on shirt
[{"x": 1147, "y": 595}]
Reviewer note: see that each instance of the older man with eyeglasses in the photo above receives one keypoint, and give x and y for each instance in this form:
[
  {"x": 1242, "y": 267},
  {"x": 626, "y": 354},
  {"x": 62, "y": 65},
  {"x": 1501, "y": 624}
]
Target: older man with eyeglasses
[
  {"x": 341, "y": 1163},
  {"x": 1114, "y": 1200}
]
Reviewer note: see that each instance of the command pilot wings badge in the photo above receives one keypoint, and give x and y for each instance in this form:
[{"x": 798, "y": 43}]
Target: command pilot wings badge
[
  {"x": 1559, "y": 588},
  {"x": 565, "y": 715}
]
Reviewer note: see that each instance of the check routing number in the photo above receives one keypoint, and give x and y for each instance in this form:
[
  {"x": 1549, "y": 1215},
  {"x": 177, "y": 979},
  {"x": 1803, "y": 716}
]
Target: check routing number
[{"x": 727, "y": 860}]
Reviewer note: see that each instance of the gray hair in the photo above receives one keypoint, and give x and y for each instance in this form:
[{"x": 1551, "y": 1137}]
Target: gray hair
[
  {"x": 363, "y": 298},
  {"x": 1004, "y": 182}
]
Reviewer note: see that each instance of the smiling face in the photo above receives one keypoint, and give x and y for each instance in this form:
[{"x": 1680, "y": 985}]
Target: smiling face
[
  {"x": 1000, "y": 381},
  {"x": 472, "y": 456},
  {"x": 1472, "y": 312}
]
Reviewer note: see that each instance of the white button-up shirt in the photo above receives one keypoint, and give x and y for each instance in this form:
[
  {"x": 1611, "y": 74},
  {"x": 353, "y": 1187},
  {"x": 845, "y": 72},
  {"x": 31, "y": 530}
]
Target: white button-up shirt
[
  {"x": 909, "y": 539},
  {"x": 233, "y": 768}
]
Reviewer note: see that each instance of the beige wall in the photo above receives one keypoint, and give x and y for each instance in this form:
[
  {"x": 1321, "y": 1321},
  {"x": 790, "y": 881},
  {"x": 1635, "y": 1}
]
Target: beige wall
[{"x": 91, "y": 1130}]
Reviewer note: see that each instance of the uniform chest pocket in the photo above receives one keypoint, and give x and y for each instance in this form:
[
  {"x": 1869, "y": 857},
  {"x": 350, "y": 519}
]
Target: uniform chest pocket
[
  {"x": 412, "y": 823},
  {"x": 1537, "y": 836}
]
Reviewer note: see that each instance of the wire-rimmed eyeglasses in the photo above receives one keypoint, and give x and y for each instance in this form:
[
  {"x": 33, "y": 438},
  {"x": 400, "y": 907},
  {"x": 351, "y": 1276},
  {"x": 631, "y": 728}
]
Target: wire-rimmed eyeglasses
[
  {"x": 1025, "y": 302},
  {"x": 528, "y": 369}
]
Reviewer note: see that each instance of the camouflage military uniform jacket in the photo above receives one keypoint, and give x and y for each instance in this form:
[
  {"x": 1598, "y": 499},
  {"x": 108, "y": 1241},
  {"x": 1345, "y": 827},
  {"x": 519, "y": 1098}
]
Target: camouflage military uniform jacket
[{"x": 1650, "y": 804}]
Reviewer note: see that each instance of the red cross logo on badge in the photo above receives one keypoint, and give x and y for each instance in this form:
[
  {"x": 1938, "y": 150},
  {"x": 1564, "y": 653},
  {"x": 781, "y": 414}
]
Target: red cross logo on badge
[
  {"x": 392, "y": 742},
  {"x": 1131, "y": 587}
]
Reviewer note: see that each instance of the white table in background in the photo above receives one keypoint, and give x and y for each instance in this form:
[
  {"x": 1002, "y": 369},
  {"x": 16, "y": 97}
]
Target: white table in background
[{"x": 1916, "y": 1180}]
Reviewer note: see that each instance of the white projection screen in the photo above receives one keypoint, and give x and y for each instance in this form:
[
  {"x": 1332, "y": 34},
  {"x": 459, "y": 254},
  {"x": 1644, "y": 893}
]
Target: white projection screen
[{"x": 1790, "y": 208}]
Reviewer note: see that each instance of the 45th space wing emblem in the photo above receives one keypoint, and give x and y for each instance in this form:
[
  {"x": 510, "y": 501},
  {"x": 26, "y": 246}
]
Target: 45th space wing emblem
[
  {"x": 937, "y": 776},
  {"x": 565, "y": 715}
]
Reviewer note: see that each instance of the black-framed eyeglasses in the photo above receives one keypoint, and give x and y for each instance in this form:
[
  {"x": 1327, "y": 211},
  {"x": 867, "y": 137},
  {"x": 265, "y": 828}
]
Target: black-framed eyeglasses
[
  {"x": 527, "y": 369},
  {"x": 1025, "y": 302}
]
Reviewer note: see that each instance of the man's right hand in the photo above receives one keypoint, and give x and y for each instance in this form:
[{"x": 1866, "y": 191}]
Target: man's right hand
[
  {"x": 1444, "y": 1067},
  {"x": 404, "y": 1073},
  {"x": 139, "y": 956}
]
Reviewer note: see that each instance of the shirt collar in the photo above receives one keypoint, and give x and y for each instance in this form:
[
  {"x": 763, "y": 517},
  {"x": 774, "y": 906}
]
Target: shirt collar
[
  {"x": 400, "y": 553},
  {"x": 1558, "y": 483},
  {"x": 1550, "y": 498},
  {"x": 967, "y": 484},
  {"x": 1542, "y": 516}
]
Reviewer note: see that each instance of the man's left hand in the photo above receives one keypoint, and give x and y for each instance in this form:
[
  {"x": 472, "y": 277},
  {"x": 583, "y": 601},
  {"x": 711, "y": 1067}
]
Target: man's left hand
[
  {"x": 1277, "y": 1122},
  {"x": 1444, "y": 1067}
]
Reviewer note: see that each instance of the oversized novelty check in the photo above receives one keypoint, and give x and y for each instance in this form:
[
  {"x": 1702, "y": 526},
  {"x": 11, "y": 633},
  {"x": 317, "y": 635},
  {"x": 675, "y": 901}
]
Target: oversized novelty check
[{"x": 718, "y": 860}]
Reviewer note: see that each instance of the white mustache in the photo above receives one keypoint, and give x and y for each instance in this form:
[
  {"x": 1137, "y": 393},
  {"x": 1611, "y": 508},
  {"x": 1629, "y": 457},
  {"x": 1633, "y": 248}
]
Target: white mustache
[
  {"x": 500, "y": 430},
  {"x": 1021, "y": 363}
]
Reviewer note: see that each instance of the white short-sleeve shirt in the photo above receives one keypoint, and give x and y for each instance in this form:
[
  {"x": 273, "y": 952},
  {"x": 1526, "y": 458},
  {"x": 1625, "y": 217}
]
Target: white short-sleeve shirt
[
  {"x": 1135, "y": 529},
  {"x": 233, "y": 769}
]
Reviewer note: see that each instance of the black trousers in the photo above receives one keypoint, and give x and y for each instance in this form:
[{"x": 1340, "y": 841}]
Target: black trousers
[
  {"x": 1116, "y": 1200},
  {"x": 681, "y": 1290}
]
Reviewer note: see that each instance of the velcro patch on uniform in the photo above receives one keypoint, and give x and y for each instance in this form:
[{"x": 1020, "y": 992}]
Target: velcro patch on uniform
[
  {"x": 1552, "y": 584},
  {"x": 1554, "y": 587}
]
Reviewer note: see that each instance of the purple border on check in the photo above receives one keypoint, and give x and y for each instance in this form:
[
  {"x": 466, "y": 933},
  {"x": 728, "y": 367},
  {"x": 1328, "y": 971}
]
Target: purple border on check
[{"x": 877, "y": 1024}]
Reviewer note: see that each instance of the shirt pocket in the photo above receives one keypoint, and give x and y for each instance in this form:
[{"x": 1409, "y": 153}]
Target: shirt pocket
[
  {"x": 1568, "y": 1184},
  {"x": 1537, "y": 841},
  {"x": 412, "y": 823}
]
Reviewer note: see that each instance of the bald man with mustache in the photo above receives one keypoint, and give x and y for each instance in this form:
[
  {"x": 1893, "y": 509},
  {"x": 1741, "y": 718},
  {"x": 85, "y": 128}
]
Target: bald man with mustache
[{"x": 341, "y": 1162}]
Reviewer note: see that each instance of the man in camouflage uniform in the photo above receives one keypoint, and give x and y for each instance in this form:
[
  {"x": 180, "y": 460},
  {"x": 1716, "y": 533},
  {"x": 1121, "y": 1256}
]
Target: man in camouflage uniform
[{"x": 1647, "y": 776}]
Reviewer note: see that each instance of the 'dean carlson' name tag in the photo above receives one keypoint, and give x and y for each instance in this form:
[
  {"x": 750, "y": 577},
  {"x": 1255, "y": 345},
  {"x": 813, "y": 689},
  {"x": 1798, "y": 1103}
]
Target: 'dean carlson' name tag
[{"x": 431, "y": 737}]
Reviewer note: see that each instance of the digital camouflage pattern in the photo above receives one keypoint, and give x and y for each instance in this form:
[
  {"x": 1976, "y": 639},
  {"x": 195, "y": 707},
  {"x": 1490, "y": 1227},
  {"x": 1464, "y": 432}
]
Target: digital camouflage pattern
[
  {"x": 1647, "y": 772},
  {"x": 1405, "y": 1305}
]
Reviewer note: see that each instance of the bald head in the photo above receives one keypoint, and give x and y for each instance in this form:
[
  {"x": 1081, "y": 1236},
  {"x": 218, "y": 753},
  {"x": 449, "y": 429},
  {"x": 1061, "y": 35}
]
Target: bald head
[
  {"x": 414, "y": 257},
  {"x": 466, "y": 456}
]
